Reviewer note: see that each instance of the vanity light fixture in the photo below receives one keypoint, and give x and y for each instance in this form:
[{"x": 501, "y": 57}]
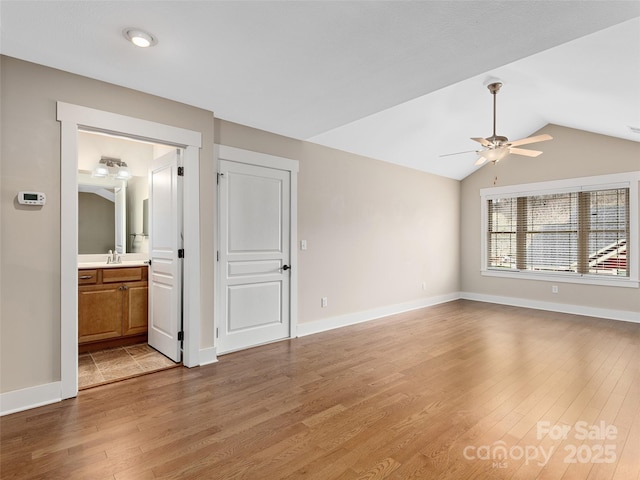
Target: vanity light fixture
[
  {"x": 123, "y": 172},
  {"x": 103, "y": 168},
  {"x": 139, "y": 37}
]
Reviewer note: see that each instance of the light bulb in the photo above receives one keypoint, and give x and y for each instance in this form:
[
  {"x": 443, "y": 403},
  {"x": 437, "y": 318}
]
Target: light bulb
[
  {"x": 101, "y": 170},
  {"x": 123, "y": 173},
  {"x": 141, "y": 39},
  {"x": 138, "y": 37}
]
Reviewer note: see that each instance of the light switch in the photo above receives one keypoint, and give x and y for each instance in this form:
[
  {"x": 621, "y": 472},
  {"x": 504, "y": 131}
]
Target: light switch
[{"x": 303, "y": 244}]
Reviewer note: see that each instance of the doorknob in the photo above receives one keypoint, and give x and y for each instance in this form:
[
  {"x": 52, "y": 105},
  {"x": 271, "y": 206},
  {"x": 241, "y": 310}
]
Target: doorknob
[{"x": 286, "y": 267}]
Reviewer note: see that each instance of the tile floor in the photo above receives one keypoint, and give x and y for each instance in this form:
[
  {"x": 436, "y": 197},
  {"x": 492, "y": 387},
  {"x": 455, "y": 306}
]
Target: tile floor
[{"x": 111, "y": 365}]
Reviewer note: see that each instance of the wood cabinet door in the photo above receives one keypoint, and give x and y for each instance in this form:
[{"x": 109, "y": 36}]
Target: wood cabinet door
[
  {"x": 135, "y": 308},
  {"x": 100, "y": 311}
]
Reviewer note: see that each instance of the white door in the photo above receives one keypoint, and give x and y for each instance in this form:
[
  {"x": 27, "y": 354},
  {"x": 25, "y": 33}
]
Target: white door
[
  {"x": 165, "y": 271},
  {"x": 255, "y": 222}
]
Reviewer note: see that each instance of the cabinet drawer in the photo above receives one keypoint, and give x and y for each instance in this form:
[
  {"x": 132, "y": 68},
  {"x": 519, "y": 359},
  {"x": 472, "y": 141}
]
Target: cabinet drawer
[
  {"x": 127, "y": 274},
  {"x": 87, "y": 277}
]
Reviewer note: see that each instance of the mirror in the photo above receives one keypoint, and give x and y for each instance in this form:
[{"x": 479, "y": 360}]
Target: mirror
[
  {"x": 112, "y": 214},
  {"x": 111, "y": 211}
]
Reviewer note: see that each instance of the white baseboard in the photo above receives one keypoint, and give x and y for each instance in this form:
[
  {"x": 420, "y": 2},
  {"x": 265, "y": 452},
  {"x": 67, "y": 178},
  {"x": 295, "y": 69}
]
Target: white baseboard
[
  {"x": 27, "y": 398},
  {"x": 365, "y": 316},
  {"x": 622, "y": 315},
  {"x": 208, "y": 356}
]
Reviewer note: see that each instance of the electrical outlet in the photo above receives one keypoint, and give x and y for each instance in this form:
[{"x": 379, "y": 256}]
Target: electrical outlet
[
  {"x": 554, "y": 289},
  {"x": 323, "y": 302}
]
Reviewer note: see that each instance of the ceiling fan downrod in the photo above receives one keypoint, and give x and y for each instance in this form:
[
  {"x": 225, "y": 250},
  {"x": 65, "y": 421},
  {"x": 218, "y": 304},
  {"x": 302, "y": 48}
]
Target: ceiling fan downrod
[{"x": 496, "y": 140}]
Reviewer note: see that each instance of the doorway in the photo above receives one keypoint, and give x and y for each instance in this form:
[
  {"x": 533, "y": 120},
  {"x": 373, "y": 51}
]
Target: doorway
[
  {"x": 257, "y": 264},
  {"x": 73, "y": 118},
  {"x": 127, "y": 310}
]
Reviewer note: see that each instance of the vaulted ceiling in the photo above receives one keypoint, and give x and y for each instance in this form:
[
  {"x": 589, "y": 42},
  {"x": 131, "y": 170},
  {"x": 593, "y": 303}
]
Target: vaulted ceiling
[{"x": 402, "y": 82}]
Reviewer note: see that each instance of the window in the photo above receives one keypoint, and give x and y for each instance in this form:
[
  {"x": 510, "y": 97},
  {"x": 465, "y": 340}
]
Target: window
[{"x": 581, "y": 230}]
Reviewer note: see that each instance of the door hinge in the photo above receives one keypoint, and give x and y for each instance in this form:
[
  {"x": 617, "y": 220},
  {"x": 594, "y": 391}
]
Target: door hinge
[
  {"x": 217, "y": 255},
  {"x": 216, "y": 332},
  {"x": 218, "y": 175},
  {"x": 181, "y": 171},
  {"x": 181, "y": 253},
  {"x": 180, "y": 336}
]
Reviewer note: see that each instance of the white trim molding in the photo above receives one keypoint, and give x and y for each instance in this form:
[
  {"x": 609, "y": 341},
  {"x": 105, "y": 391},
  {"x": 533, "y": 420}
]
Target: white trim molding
[
  {"x": 208, "y": 356},
  {"x": 340, "y": 321},
  {"x": 74, "y": 118},
  {"x": 249, "y": 157},
  {"x": 606, "y": 313},
  {"x": 628, "y": 180},
  {"x": 99, "y": 121},
  {"x": 28, "y": 398}
]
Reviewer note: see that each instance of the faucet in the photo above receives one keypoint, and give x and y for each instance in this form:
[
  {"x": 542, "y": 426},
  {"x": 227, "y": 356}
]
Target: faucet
[{"x": 114, "y": 257}]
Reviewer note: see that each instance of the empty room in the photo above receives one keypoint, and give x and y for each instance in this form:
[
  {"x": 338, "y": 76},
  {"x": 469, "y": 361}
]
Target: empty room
[{"x": 319, "y": 239}]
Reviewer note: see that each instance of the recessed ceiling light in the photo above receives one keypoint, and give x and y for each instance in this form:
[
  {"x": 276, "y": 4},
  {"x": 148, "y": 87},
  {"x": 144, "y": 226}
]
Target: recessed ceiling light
[
  {"x": 139, "y": 37},
  {"x": 634, "y": 129}
]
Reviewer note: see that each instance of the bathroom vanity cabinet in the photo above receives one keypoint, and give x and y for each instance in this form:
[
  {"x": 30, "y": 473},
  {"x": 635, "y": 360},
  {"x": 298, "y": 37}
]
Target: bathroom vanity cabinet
[{"x": 112, "y": 307}]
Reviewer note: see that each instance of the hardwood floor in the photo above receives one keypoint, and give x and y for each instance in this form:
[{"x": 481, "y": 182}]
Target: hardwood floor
[{"x": 424, "y": 395}]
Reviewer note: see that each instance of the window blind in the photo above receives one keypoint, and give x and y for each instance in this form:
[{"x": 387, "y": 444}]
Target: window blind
[{"x": 582, "y": 232}]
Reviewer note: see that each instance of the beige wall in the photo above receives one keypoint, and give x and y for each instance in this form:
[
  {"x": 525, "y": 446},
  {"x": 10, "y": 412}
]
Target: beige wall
[
  {"x": 30, "y": 238},
  {"x": 571, "y": 153},
  {"x": 375, "y": 231}
]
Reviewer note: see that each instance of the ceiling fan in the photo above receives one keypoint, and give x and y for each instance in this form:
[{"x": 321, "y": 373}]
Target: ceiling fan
[{"x": 497, "y": 147}]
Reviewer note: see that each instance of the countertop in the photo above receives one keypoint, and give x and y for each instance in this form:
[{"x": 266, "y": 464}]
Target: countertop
[{"x": 125, "y": 263}]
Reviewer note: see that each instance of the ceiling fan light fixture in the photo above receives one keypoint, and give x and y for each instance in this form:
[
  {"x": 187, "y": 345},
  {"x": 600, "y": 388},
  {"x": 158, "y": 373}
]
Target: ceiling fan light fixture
[
  {"x": 139, "y": 37},
  {"x": 494, "y": 154}
]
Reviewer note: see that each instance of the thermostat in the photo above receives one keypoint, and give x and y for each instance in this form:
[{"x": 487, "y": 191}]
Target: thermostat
[{"x": 31, "y": 198}]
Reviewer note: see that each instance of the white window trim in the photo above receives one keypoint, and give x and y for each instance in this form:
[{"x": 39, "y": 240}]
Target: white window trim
[{"x": 603, "y": 182}]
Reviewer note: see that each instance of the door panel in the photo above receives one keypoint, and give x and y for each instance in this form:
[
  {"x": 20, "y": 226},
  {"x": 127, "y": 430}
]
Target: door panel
[
  {"x": 254, "y": 207},
  {"x": 165, "y": 275},
  {"x": 255, "y": 305},
  {"x": 99, "y": 312}
]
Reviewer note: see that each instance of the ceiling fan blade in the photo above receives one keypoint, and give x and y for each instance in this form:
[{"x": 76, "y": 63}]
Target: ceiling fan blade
[
  {"x": 480, "y": 161},
  {"x": 483, "y": 141},
  {"x": 526, "y": 153},
  {"x": 457, "y": 153},
  {"x": 525, "y": 141}
]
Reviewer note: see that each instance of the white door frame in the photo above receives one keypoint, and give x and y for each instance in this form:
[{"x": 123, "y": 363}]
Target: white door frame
[
  {"x": 238, "y": 155},
  {"x": 74, "y": 117}
]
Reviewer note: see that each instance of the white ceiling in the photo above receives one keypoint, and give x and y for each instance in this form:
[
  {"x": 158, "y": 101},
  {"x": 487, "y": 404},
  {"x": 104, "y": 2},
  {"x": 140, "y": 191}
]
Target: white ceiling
[{"x": 397, "y": 81}]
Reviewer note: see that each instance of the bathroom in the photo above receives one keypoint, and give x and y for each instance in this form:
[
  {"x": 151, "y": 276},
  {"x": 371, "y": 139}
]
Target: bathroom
[{"x": 113, "y": 256}]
